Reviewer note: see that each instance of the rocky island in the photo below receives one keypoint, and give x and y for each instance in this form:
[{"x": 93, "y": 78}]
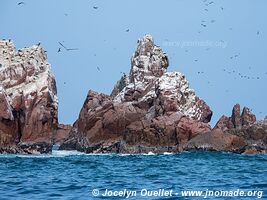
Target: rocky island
[{"x": 149, "y": 110}]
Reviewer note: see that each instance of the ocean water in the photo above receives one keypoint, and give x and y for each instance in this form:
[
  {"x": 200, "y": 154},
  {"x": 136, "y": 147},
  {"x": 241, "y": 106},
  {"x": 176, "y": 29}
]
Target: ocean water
[{"x": 73, "y": 175}]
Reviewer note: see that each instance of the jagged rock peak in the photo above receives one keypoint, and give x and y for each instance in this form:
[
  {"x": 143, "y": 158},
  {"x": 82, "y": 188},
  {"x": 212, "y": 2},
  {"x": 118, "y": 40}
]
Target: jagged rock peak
[
  {"x": 148, "y": 61},
  {"x": 237, "y": 120},
  {"x": 148, "y": 83}
]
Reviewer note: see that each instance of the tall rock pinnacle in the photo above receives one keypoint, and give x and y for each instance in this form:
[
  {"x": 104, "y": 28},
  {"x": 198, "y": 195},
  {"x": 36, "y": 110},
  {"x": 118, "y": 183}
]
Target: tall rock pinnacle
[
  {"x": 148, "y": 61},
  {"x": 148, "y": 110},
  {"x": 148, "y": 81}
]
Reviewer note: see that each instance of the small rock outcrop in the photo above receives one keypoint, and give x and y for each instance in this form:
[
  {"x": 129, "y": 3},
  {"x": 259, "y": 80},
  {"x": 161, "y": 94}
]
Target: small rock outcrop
[
  {"x": 148, "y": 110},
  {"x": 240, "y": 133},
  {"x": 28, "y": 100},
  {"x": 237, "y": 120}
]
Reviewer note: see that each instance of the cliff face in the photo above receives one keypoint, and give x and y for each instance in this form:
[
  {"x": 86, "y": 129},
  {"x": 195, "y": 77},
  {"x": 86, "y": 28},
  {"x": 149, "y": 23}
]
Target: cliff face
[
  {"x": 148, "y": 110},
  {"x": 28, "y": 100}
]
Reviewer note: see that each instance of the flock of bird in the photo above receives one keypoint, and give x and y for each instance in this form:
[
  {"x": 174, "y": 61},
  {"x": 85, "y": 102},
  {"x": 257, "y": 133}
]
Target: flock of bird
[{"x": 204, "y": 24}]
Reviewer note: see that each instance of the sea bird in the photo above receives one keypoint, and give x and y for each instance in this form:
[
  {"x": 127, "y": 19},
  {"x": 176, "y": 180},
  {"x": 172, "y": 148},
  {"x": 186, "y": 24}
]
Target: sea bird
[
  {"x": 21, "y": 3},
  {"x": 67, "y": 49}
]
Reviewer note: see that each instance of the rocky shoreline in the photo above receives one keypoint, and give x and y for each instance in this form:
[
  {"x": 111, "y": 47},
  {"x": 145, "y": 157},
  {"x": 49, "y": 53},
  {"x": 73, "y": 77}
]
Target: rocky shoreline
[{"x": 149, "y": 110}]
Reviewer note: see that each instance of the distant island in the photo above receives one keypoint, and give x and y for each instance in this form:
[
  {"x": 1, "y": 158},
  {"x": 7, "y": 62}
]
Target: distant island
[{"x": 149, "y": 110}]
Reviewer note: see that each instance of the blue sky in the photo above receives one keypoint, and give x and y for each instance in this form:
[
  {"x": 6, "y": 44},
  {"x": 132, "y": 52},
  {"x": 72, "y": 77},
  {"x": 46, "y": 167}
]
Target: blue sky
[{"x": 231, "y": 40}]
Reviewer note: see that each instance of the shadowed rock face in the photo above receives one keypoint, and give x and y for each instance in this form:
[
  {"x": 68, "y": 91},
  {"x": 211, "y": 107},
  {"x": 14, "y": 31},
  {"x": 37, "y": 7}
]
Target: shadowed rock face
[
  {"x": 62, "y": 133},
  {"x": 28, "y": 100},
  {"x": 238, "y": 133},
  {"x": 148, "y": 110}
]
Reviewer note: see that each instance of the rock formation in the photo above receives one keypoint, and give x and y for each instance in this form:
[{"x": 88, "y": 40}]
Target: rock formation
[
  {"x": 240, "y": 133},
  {"x": 148, "y": 110},
  {"x": 28, "y": 100},
  {"x": 237, "y": 120}
]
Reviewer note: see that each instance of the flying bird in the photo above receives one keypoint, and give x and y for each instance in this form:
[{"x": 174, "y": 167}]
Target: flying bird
[
  {"x": 127, "y": 30},
  {"x": 59, "y": 50},
  {"x": 98, "y": 69},
  {"x": 258, "y": 32},
  {"x": 204, "y": 25},
  {"x": 67, "y": 49},
  {"x": 95, "y": 7},
  {"x": 21, "y": 3}
]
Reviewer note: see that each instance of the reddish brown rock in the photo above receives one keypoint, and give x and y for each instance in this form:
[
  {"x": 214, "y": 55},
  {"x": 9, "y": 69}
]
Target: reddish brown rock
[
  {"x": 247, "y": 117},
  {"x": 188, "y": 129},
  {"x": 217, "y": 140},
  {"x": 149, "y": 110},
  {"x": 28, "y": 101},
  {"x": 254, "y": 133},
  {"x": 236, "y": 117},
  {"x": 224, "y": 123},
  {"x": 62, "y": 133},
  {"x": 236, "y": 120}
]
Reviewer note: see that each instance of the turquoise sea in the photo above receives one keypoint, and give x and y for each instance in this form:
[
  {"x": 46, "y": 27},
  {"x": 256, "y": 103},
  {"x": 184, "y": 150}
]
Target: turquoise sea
[{"x": 73, "y": 175}]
